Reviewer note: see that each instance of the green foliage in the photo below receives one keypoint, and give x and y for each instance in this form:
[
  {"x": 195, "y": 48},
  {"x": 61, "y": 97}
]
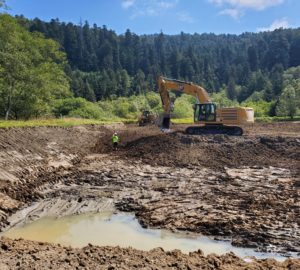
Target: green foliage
[
  {"x": 77, "y": 107},
  {"x": 31, "y": 71},
  {"x": 183, "y": 107},
  {"x": 256, "y": 96},
  {"x": 88, "y": 112},
  {"x": 289, "y": 101},
  {"x": 270, "y": 119},
  {"x": 122, "y": 109},
  {"x": 130, "y": 107},
  {"x": 222, "y": 100},
  {"x": 128, "y": 64},
  {"x": 261, "y": 108},
  {"x": 231, "y": 89},
  {"x": 291, "y": 75},
  {"x": 104, "y": 67},
  {"x": 153, "y": 100}
]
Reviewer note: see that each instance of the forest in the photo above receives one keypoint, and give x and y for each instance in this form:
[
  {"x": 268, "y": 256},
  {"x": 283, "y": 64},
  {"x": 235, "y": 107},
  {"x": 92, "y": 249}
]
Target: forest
[{"x": 58, "y": 68}]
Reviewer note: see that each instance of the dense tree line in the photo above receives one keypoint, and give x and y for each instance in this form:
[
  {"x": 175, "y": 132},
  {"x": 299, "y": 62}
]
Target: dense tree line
[
  {"x": 40, "y": 62},
  {"x": 112, "y": 64}
]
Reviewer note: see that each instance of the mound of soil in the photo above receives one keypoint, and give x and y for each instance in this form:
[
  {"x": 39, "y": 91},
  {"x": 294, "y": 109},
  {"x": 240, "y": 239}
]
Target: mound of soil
[
  {"x": 215, "y": 151},
  {"x": 46, "y": 256}
]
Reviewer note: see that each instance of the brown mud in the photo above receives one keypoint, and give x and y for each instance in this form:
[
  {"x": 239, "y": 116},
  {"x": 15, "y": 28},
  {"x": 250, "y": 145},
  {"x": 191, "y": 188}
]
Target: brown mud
[
  {"x": 21, "y": 254},
  {"x": 245, "y": 189}
]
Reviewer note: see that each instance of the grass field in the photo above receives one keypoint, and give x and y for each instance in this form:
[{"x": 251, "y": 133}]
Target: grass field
[
  {"x": 64, "y": 122},
  {"x": 276, "y": 119},
  {"x": 69, "y": 122},
  {"x": 183, "y": 121}
]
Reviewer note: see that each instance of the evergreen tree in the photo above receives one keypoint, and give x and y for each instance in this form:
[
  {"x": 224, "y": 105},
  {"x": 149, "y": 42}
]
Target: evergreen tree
[
  {"x": 256, "y": 62},
  {"x": 295, "y": 50},
  {"x": 231, "y": 89},
  {"x": 276, "y": 77},
  {"x": 253, "y": 58}
]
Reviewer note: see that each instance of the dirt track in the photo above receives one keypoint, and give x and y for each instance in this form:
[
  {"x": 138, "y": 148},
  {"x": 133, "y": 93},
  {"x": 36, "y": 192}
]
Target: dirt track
[{"x": 243, "y": 188}]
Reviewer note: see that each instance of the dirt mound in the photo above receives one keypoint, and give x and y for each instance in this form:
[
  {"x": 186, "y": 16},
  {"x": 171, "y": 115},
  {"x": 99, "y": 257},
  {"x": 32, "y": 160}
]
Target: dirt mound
[
  {"x": 46, "y": 256},
  {"x": 126, "y": 135},
  {"x": 215, "y": 151}
]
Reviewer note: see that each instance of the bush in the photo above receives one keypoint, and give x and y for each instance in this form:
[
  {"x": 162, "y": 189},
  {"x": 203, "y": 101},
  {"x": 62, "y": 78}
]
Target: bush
[
  {"x": 261, "y": 108},
  {"x": 183, "y": 107},
  {"x": 153, "y": 100},
  {"x": 222, "y": 100},
  {"x": 77, "y": 107},
  {"x": 88, "y": 112},
  {"x": 121, "y": 109}
]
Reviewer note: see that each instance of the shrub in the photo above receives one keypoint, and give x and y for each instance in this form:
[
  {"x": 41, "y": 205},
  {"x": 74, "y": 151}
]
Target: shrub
[
  {"x": 77, "y": 107},
  {"x": 183, "y": 107},
  {"x": 261, "y": 108},
  {"x": 222, "y": 100},
  {"x": 88, "y": 112}
]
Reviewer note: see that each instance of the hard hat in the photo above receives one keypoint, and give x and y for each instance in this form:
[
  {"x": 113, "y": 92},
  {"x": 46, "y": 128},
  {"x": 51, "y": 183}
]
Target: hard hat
[{"x": 115, "y": 133}]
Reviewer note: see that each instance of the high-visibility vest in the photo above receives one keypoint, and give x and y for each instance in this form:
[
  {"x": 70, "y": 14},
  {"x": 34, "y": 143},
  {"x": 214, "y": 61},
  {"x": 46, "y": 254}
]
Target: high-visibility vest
[{"x": 115, "y": 138}]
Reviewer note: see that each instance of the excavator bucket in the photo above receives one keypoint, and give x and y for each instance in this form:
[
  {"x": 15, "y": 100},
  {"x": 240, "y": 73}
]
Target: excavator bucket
[{"x": 164, "y": 121}]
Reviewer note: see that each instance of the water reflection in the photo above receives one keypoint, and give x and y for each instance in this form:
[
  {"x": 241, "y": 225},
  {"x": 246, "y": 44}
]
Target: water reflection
[{"x": 107, "y": 229}]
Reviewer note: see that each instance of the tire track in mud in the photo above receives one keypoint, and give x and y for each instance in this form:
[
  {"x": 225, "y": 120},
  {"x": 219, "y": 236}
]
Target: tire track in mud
[
  {"x": 253, "y": 207},
  {"x": 242, "y": 188}
]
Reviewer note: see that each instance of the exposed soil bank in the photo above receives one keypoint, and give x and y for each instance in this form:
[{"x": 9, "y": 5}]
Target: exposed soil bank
[
  {"x": 21, "y": 254},
  {"x": 242, "y": 188}
]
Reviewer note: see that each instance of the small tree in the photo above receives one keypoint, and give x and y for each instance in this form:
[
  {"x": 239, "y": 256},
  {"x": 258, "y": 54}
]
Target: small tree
[{"x": 289, "y": 101}]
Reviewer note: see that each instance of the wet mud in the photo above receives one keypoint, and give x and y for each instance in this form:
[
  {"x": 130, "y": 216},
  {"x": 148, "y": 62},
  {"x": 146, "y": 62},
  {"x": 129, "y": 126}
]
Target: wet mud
[{"x": 243, "y": 189}]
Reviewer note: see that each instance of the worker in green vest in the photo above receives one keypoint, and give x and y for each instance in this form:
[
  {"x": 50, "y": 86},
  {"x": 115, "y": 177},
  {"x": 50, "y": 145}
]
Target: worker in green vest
[{"x": 115, "y": 140}]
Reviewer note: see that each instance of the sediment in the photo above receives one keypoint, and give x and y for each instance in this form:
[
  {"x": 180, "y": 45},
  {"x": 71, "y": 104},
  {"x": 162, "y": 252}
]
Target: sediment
[{"x": 245, "y": 189}]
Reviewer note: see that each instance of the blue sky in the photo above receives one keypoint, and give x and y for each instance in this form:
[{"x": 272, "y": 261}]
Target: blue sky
[{"x": 170, "y": 16}]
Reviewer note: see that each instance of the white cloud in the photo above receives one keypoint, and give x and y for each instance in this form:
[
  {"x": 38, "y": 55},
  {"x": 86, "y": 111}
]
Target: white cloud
[
  {"x": 185, "y": 17},
  {"x": 280, "y": 23},
  {"x": 166, "y": 5},
  {"x": 248, "y": 4},
  {"x": 127, "y": 3},
  {"x": 148, "y": 7},
  {"x": 232, "y": 12}
]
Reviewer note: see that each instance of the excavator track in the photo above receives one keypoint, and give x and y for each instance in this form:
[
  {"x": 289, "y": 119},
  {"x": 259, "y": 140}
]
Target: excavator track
[{"x": 215, "y": 129}]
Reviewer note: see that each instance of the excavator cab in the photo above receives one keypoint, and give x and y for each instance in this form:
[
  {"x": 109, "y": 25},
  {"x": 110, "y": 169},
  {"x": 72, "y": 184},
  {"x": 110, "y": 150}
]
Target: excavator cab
[{"x": 205, "y": 112}]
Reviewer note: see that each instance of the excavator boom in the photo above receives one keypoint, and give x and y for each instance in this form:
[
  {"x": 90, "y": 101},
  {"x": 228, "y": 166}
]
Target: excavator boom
[{"x": 165, "y": 85}]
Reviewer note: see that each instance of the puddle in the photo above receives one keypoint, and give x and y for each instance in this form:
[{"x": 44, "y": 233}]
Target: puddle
[{"x": 108, "y": 229}]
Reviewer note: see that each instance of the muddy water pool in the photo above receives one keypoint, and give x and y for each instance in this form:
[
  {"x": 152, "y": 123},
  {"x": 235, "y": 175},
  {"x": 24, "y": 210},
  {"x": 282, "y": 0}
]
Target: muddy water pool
[{"x": 108, "y": 229}]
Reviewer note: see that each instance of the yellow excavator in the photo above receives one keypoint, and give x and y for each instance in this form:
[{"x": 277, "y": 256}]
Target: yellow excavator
[{"x": 211, "y": 120}]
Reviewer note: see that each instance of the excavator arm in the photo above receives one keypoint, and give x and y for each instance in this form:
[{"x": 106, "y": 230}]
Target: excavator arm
[{"x": 165, "y": 85}]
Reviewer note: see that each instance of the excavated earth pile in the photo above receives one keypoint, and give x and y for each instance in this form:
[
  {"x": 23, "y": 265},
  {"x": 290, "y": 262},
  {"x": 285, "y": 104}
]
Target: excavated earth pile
[
  {"x": 243, "y": 189},
  {"x": 215, "y": 152}
]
